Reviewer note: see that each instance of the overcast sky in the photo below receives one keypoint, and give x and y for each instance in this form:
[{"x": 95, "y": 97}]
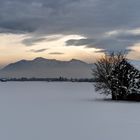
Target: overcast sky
[{"x": 66, "y": 29}]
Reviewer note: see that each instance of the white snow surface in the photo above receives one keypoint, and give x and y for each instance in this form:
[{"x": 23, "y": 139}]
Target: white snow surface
[{"x": 64, "y": 111}]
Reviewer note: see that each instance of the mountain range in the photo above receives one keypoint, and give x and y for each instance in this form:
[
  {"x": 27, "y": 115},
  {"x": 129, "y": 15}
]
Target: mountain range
[{"x": 47, "y": 68}]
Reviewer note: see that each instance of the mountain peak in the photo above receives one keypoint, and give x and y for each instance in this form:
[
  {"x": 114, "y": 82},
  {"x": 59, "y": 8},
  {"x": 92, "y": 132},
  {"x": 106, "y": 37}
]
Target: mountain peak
[
  {"x": 39, "y": 59},
  {"x": 76, "y": 60}
]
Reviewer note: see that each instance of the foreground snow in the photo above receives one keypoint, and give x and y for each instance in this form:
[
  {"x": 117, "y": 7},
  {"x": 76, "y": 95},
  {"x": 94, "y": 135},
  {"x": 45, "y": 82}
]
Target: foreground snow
[{"x": 64, "y": 111}]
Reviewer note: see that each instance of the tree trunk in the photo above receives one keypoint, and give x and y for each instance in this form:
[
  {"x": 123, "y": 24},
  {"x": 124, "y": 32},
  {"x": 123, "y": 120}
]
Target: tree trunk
[{"x": 114, "y": 97}]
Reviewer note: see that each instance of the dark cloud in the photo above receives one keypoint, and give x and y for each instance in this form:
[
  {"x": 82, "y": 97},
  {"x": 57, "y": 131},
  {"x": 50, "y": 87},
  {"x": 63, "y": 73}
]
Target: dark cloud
[
  {"x": 104, "y": 44},
  {"x": 110, "y": 44},
  {"x": 33, "y": 40},
  {"x": 109, "y": 41},
  {"x": 68, "y": 15},
  {"x": 56, "y": 53},
  {"x": 19, "y": 25},
  {"x": 30, "y": 15},
  {"x": 90, "y": 18},
  {"x": 129, "y": 37},
  {"x": 80, "y": 42},
  {"x": 37, "y": 51}
]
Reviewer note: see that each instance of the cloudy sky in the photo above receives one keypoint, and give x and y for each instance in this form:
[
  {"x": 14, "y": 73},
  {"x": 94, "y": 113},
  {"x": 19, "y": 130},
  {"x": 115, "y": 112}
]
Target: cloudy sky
[{"x": 66, "y": 29}]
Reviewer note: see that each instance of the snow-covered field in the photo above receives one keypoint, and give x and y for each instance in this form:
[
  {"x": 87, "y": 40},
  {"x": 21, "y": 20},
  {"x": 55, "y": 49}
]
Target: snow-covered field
[{"x": 64, "y": 111}]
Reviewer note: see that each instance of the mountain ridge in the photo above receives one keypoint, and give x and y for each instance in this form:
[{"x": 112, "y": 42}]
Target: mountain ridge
[{"x": 47, "y": 68}]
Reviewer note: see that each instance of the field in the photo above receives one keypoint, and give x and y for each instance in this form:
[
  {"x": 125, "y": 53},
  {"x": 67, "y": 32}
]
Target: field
[{"x": 64, "y": 111}]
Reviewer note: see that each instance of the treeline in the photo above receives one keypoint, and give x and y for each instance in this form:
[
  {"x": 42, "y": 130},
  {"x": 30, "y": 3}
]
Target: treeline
[{"x": 60, "y": 79}]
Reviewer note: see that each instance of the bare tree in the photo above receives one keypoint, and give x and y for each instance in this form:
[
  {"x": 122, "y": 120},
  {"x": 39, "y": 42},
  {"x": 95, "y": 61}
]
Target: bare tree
[{"x": 103, "y": 69}]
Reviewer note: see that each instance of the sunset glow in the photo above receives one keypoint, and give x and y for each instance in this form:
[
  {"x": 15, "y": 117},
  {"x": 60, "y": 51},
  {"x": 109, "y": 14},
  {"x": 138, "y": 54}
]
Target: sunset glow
[
  {"x": 12, "y": 49},
  {"x": 68, "y": 29}
]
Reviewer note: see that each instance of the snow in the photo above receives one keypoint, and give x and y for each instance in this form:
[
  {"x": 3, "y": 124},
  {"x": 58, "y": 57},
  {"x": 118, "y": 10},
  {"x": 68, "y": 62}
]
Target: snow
[{"x": 64, "y": 111}]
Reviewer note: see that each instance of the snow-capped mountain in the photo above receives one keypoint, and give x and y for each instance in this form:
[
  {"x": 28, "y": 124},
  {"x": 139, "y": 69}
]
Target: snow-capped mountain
[{"x": 47, "y": 68}]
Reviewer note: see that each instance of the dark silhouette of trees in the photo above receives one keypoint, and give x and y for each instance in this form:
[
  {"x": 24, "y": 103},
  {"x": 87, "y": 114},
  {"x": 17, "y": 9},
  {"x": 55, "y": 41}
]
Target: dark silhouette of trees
[
  {"x": 125, "y": 80},
  {"x": 116, "y": 76},
  {"x": 103, "y": 69}
]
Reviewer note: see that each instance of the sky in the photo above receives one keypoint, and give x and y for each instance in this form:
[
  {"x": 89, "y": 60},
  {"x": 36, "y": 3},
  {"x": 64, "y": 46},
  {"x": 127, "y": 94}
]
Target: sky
[{"x": 66, "y": 29}]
